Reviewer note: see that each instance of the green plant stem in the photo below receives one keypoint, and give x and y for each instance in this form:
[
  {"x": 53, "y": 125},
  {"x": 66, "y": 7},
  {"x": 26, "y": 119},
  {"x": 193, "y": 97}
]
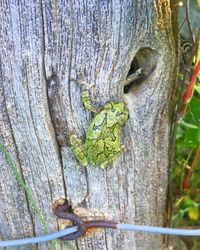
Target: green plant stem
[{"x": 26, "y": 189}]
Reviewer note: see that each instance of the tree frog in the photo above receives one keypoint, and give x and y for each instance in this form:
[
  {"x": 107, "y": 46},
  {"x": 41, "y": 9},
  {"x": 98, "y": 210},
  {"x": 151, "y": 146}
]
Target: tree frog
[{"x": 103, "y": 139}]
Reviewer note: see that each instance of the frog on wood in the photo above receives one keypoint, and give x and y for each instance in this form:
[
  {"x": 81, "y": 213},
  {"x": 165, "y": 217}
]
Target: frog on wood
[{"x": 103, "y": 139}]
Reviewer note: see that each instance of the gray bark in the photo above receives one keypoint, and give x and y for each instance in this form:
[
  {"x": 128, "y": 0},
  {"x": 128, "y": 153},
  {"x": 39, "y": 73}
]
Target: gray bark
[{"x": 45, "y": 44}]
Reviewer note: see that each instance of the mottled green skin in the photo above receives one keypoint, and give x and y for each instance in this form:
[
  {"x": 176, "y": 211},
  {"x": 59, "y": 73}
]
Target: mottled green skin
[{"x": 103, "y": 139}]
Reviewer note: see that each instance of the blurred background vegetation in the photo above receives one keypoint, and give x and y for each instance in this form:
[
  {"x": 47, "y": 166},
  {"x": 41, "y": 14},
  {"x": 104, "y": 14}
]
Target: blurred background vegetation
[{"x": 185, "y": 175}]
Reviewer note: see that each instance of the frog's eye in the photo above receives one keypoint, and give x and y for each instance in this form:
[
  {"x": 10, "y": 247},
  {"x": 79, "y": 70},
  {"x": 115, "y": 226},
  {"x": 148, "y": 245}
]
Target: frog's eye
[
  {"x": 121, "y": 117},
  {"x": 108, "y": 106}
]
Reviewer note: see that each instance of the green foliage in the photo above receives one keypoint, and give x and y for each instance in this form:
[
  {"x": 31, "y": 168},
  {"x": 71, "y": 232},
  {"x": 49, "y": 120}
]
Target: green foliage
[
  {"x": 186, "y": 172},
  {"x": 188, "y": 132},
  {"x": 197, "y": 88}
]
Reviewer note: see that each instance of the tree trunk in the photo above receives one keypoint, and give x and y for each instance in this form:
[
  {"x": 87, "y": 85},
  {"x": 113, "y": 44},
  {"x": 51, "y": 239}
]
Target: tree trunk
[{"x": 46, "y": 44}]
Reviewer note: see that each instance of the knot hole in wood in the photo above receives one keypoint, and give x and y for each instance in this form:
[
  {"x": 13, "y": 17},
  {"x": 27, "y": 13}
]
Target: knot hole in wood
[{"x": 142, "y": 67}]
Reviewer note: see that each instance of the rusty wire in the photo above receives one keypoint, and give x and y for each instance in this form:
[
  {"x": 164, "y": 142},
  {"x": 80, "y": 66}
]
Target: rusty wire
[{"x": 62, "y": 212}]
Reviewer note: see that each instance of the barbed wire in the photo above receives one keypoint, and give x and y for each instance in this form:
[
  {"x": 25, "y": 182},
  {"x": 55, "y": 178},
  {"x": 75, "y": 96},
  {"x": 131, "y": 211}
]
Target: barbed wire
[
  {"x": 74, "y": 229},
  {"x": 74, "y": 232},
  {"x": 39, "y": 239}
]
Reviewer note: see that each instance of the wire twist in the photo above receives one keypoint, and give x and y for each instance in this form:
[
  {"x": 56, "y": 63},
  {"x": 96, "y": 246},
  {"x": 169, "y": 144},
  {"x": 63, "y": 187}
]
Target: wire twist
[{"x": 61, "y": 211}]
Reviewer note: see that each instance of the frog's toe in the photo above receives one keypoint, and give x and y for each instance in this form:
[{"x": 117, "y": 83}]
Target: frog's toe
[
  {"x": 105, "y": 164},
  {"x": 84, "y": 163}
]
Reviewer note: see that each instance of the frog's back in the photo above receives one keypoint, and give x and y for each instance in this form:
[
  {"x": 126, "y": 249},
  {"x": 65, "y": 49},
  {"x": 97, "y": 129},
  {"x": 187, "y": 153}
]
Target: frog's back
[
  {"x": 96, "y": 126},
  {"x": 106, "y": 146},
  {"x": 103, "y": 139}
]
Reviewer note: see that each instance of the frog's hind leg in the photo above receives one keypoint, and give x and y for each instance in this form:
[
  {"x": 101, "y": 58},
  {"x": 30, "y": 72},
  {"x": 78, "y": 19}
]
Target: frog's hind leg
[
  {"x": 114, "y": 158},
  {"x": 79, "y": 149}
]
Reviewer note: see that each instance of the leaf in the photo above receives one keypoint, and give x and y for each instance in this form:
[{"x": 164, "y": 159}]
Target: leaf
[
  {"x": 189, "y": 125},
  {"x": 180, "y": 200},
  {"x": 193, "y": 116},
  {"x": 192, "y": 137},
  {"x": 193, "y": 213},
  {"x": 197, "y": 88}
]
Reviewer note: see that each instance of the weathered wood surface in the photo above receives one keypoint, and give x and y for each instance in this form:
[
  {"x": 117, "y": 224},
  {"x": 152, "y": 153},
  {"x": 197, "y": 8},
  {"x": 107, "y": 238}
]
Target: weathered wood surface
[{"x": 44, "y": 44}]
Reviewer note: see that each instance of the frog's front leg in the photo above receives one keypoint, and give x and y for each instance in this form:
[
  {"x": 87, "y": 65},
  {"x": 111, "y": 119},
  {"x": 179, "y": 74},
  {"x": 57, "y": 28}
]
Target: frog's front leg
[
  {"x": 112, "y": 159},
  {"x": 78, "y": 149},
  {"x": 87, "y": 101},
  {"x": 85, "y": 94}
]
